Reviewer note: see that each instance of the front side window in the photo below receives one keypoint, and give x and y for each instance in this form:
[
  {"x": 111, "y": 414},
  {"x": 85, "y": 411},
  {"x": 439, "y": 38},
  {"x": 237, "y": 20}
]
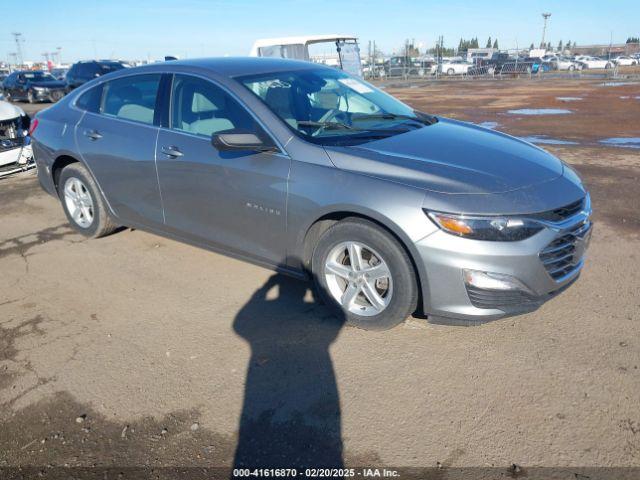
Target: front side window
[
  {"x": 131, "y": 98},
  {"x": 201, "y": 108},
  {"x": 328, "y": 106},
  {"x": 36, "y": 76}
]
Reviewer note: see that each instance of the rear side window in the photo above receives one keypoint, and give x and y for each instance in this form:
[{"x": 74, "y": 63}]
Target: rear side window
[
  {"x": 86, "y": 70},
  {"x": 105, "y": 68},
  {"x": 131, "y": 98},
  {"x": 90, "y": 100},
  {"x": 201, "y": 108}
]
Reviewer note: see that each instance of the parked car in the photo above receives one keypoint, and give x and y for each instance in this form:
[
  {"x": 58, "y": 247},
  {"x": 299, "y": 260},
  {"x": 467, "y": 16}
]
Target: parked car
[
  {"x": 559, "y": 62},
  {"x": 314, "y": 172},
  {"x": 400, "y": 66},
  {"x": 625, "y": 61},
  {"x": 494, "y": 62},
  {"x": 33, "y": 86},
  {"x": 536, "y": 64},
  {"x": 82, "y": 72},
  {"x": 594, "y": 62},
  {"x": 15, "y": 149},
  {"x": 454, "y": 67}
]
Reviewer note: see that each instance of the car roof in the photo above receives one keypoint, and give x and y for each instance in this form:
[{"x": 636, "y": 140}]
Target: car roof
[{"x": 232, "y": 66}]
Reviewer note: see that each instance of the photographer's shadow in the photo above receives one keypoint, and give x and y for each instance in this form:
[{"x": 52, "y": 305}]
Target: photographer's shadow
[{"x": 291, "y": 412}]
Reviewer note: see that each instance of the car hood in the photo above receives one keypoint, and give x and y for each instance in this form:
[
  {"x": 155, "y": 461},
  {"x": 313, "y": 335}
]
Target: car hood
[
  {"x": 51, "y": 84},
  {"x": 451, "y": 157},
  {"x": 9, "y": 111}
]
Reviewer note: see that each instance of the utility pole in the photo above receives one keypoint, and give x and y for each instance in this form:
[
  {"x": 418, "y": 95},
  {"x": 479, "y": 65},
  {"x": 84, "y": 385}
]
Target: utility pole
[
  {"x": 544, "y": 28},
  {"x": 59, "y": 50},
  {"x": 18, "y": 40},
  {"x": 13, "y": 55}
]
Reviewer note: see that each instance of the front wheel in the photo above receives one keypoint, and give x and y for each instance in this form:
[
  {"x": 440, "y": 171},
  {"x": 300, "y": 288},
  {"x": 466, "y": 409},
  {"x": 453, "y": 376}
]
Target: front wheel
[
  {"x": 364, "y": 275},
  {"x": 451, "y": 71},
  {"x": 82, "y": 202}
]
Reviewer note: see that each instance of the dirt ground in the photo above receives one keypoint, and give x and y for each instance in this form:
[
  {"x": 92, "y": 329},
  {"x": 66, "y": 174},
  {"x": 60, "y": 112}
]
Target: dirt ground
[{"x": 134, "y": 350}]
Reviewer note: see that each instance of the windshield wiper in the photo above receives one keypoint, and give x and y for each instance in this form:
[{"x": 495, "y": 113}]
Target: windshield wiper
[
  {"x": 420, "y": 118},
  {"x": 325, "y": 125}
]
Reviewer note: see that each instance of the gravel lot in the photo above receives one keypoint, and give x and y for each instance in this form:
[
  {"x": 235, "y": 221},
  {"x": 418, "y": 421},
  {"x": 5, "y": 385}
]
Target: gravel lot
[{"x": 136, "y": 350}]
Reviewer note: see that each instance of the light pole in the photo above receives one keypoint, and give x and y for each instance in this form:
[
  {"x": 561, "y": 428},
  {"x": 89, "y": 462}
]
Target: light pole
[
  {"x": 544, "y": 28},
  {"x": 17, "y": 36}
]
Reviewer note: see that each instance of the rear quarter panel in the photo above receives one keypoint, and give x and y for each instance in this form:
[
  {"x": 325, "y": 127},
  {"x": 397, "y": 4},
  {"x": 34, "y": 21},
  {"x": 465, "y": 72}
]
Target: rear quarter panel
[{"x": 53, "y": 138}]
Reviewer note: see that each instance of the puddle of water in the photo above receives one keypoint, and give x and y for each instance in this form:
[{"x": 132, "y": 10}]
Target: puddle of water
[
  {"x": 569, "y": 99},
  {"x": 539, "y": 111},
  {"x": 544, "y": 140},
  {"x": 490, "y": 125},
  {"x": 623, "y": 142},
  {"x": 616, "y": 84},
  {"x": 625, "y": 97}
]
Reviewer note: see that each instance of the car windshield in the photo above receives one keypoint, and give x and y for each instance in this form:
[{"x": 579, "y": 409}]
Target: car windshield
[
  {"x": 38, "y": 76},
  {"x": 329, "y": 107}
]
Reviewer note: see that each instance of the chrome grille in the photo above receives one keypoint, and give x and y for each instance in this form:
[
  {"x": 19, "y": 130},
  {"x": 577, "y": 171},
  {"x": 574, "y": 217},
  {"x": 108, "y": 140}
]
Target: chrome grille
[{"x": 563, "y": 256}]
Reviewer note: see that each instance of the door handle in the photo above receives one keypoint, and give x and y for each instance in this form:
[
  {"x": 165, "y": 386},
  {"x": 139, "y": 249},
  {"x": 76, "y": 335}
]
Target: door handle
[
  {"x": 172, "y": 151},
  {"x": 92, "y": 134}
]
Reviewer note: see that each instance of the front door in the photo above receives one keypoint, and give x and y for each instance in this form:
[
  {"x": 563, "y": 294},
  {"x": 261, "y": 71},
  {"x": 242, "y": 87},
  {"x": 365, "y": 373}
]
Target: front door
[
  {"x": 234, "y": 200},
  {"x": 117, "y": 142}
]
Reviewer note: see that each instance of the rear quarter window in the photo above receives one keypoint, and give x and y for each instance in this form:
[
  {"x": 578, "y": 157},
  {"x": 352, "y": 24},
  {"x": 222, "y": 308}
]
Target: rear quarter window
[{"x": 90, "y": 100}]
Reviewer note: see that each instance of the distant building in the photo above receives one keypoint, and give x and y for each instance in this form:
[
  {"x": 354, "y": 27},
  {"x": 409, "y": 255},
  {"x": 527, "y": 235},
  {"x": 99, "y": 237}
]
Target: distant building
[{"x": 616, "y": 48}]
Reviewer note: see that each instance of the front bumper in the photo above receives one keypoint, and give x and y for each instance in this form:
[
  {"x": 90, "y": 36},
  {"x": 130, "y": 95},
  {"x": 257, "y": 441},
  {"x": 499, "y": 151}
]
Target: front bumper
[
  {"x": 48, "y": 94},
  {"x": 544, "y": 265}
]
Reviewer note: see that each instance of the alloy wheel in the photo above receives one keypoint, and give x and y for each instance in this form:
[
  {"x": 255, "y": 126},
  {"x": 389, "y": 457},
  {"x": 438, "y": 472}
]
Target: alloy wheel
[
  {"x": 358, "y": 278},
  {"x": 78, "y": 202}
]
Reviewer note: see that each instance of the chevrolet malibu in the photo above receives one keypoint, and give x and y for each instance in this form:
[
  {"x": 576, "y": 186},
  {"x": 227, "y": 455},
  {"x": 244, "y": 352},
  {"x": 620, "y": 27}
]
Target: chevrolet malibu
[{"x": 309, "y": 171}]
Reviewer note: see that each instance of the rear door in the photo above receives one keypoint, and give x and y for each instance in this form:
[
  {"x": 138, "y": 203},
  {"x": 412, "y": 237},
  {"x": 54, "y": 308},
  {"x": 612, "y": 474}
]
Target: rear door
[
  {"x": 236, "y": 200},
  {"x": 117, "y": 142}
]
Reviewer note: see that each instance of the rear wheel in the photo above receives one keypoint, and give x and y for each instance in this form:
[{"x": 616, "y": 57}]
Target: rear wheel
[
  {"x": 451, "y": 71},
  {"x": 82, "y": 202},
  {"x": 364, "y": 274}
]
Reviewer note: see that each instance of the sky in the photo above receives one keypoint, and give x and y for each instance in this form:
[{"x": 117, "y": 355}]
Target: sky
[{"x": 151, "y": 29}]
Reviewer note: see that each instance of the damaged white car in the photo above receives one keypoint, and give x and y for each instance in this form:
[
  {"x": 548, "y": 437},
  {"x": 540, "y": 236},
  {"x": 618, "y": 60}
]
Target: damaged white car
[{"x": 15, "y": 146}]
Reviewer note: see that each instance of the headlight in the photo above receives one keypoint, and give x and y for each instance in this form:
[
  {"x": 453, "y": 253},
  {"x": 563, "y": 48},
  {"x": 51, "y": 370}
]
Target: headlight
[{"x": 500, "y": 229}]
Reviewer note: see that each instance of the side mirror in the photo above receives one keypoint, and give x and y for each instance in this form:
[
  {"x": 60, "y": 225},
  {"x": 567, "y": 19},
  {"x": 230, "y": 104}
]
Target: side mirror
[{"x": 227, "y": 142}]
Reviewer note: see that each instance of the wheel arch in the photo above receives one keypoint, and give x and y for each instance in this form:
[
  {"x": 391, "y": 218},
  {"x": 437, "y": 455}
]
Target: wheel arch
[
  {"x": 65, "y": 159},
  {"x": 58, "y": 165},
  {"x": 324, "y": 221}
]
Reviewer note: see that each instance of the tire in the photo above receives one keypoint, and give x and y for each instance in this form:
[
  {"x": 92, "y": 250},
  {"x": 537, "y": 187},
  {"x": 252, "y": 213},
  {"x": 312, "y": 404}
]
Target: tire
[
  {"x": 401, "y": 292},
  {"x": 101, "y": 223},
  {"x": 571, "y": 68},
  {"x": 451, "y": 71}
]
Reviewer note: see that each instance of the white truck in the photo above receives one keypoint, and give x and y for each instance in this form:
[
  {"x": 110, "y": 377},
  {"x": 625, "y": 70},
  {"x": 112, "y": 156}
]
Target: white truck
[{"x": 344, "y": 50}]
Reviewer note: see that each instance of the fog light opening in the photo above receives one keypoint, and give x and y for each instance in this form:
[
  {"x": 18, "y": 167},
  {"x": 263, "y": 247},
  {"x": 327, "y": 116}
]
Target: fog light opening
[{"x": 493, "y": 281}]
